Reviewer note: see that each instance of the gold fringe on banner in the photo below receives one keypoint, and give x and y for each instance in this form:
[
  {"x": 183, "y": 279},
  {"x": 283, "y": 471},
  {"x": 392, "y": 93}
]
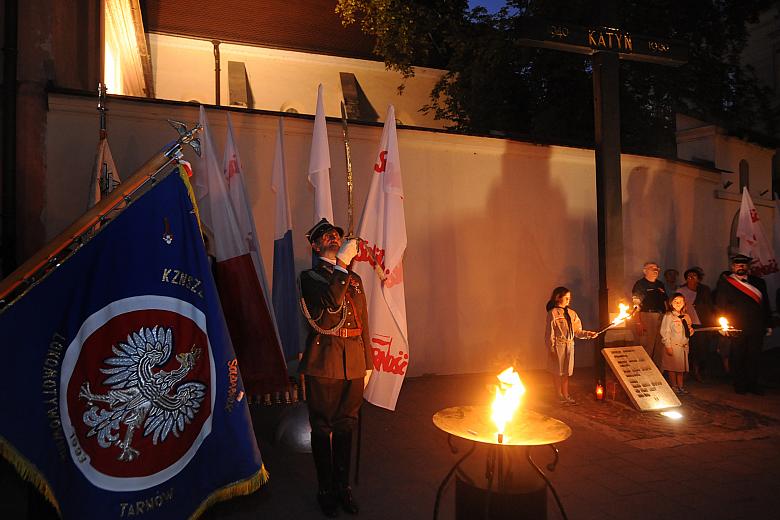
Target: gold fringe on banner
[
  {"x": 239, "y": 488},
  {"x": 27, "y": 471}
]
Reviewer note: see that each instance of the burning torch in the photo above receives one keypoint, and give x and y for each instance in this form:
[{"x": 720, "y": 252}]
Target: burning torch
[
  {"x": 724, "y": 327},
  {"x": 622, "y": 316}
]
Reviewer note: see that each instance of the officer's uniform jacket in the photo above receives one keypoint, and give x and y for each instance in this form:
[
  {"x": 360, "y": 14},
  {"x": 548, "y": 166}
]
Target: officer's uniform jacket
[
  {"x": 742, "y": 310},
  {"x": 346, "y": 353}
]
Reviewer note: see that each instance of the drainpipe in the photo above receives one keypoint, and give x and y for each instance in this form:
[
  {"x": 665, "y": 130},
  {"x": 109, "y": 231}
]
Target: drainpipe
[
  {"x": 8, "y": 228},
  {"x": 216, "y": 69}
]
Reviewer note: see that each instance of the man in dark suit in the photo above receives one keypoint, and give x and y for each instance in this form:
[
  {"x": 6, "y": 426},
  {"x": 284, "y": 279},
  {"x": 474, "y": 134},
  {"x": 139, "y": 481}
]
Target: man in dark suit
[
  {"x": 743, "y": 299},
  {"x": 335, "y": 362}
]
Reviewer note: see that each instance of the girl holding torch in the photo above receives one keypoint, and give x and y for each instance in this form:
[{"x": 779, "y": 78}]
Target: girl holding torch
[
  {"x": 675, "y": 333},
  {"x": 563, "y": 325}
]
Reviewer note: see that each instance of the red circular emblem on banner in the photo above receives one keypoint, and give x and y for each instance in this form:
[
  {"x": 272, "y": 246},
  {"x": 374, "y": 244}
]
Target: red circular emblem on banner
[{"x": 140, "y": 392}]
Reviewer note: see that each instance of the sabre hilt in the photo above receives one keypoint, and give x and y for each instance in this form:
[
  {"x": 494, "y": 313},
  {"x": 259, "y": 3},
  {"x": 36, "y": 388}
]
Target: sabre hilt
[{"x": 378, "y": 269}]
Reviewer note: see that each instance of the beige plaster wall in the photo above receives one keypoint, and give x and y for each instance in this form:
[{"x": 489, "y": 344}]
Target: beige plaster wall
[
  {"x": 183, "y": 70},
  {"x": 493, "y": 224}
]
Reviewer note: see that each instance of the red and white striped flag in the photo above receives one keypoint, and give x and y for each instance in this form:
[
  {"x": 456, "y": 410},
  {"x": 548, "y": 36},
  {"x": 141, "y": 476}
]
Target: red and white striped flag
[
  {"x": 383, "y": 226},
  {"x": 752, "y": 240},
  {"x": 241, "y": 291}
]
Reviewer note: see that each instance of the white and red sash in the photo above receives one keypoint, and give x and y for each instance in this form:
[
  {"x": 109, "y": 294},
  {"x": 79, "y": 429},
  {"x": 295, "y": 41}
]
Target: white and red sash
[{"x": 744, "y": 287}]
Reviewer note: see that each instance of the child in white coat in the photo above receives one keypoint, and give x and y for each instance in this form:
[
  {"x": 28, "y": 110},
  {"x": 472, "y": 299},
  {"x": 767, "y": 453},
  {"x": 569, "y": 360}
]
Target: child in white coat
[{"x": 676, "y": 331}]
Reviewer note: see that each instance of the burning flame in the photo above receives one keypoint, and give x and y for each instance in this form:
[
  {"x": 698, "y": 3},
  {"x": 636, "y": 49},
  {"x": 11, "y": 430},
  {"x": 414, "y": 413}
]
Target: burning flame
[
  {"x": 509, "y": 391},
  {"x": 724, "y": 323},
  {"x": 622, "y": 315}
]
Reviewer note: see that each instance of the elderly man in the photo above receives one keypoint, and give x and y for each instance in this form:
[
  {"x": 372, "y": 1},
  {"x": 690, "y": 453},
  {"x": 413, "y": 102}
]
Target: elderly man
[
  {"x": 743, "y": 299},
  {"x": 649, "y": 294},
  {"x": 335, "y": 362}
]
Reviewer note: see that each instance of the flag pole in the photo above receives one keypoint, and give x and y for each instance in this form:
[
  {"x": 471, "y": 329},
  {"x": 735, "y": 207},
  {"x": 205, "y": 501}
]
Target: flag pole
[
  {"x": 105, "y": 179},
  {"x": 16, "y": 284}
]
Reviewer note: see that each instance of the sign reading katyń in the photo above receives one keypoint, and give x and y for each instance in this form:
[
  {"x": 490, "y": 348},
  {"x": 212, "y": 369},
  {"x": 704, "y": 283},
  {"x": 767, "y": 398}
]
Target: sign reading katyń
[{"x": 587, "y": 40}]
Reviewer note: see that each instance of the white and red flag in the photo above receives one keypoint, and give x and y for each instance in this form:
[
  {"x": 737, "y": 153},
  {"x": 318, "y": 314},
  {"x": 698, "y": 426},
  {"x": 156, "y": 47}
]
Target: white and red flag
[
  {"x": 383, "y": 226},
  {"x": 752, "y": 240},
  {"x": 105, "y": 175},
  {"x": 319, "y": 164},
  {"x": 240, "y": 285}
]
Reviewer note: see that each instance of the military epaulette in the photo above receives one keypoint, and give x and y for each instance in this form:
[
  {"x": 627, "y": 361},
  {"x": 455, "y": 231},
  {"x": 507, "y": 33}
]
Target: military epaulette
[{"x": 315, "y": 275}]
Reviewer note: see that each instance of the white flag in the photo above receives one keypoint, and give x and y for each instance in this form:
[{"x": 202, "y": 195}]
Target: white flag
[
  {"x": 319, "y": 164},
  {"x": 752, "y": 240},
  {"x": 216, "y": 212},
  {"x": 383, "y": 226},
  {"x": 105, "y": 174}
]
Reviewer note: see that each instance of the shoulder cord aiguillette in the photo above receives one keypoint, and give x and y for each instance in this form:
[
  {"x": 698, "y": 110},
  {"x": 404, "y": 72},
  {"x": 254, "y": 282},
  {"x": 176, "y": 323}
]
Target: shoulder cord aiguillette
[{"x": 313, "y": 321}]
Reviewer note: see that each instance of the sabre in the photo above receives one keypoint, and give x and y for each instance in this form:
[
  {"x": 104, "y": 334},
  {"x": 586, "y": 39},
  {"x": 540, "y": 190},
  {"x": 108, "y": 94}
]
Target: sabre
[
  {"x": 351, "y": 199},
  {"x": 348, "y": 156},
  {"x": 622, "y": 316}
]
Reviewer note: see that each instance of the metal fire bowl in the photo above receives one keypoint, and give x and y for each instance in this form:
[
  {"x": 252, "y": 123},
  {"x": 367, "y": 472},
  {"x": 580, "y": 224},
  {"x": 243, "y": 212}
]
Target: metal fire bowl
[{"x": 528, "y": 428}]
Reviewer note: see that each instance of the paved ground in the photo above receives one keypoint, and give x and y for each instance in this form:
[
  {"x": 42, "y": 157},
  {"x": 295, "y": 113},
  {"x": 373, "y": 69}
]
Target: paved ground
[{"x": 722, "y": 461}]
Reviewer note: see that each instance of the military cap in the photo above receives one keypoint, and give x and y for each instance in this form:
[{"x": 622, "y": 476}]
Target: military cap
[
  {"x": 320, "y": 228},
  {"x": 741, "y": 259}
]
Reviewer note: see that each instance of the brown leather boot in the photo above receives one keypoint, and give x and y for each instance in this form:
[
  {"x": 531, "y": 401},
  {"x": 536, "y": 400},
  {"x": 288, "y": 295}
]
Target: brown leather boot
[
  {"x": 323, "y": 462},
  {"x": 342, "y": 456}
]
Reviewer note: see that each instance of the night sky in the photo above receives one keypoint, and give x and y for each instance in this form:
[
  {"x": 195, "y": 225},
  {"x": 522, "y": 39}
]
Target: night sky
[{"x": 490, "y": 5}]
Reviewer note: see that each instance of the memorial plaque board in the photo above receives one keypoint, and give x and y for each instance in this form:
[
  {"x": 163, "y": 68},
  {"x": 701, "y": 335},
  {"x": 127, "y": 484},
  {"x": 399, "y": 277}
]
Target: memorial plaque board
[{"x": 640, "y": 378}]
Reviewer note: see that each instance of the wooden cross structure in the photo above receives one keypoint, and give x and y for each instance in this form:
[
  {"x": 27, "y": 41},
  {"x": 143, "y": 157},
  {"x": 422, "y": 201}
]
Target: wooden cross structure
[{"x": 607, "y": 45}]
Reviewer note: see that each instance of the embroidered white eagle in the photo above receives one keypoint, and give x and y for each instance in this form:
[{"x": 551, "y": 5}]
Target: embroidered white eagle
[{"x": 141, "y": 397}]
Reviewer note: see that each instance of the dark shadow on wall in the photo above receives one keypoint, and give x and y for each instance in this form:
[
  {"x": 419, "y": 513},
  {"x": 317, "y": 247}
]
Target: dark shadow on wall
[{"x": 494, "y": 265}]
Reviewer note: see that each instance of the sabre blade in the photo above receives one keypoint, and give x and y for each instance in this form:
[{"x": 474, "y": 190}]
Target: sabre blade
[{"x": 348, "y": 157}]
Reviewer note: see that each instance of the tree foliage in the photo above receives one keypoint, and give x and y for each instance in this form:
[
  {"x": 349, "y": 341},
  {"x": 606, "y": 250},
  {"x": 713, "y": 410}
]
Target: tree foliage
[{"x": 493, "y": 84}]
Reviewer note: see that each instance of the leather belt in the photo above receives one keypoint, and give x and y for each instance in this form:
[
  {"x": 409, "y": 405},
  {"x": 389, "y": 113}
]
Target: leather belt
[{"x": 350, "y": 333}]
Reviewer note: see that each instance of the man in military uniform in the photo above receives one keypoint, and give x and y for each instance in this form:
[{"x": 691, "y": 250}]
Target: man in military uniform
[
  {"x": 743, "y": 299},
  {"x": 650, "y": 295},
  {"x": 335, "y": 361}
]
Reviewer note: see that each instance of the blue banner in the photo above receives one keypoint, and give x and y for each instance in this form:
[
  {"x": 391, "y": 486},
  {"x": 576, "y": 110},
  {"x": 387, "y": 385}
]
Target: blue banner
[{"x": 121, "y": 391}]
